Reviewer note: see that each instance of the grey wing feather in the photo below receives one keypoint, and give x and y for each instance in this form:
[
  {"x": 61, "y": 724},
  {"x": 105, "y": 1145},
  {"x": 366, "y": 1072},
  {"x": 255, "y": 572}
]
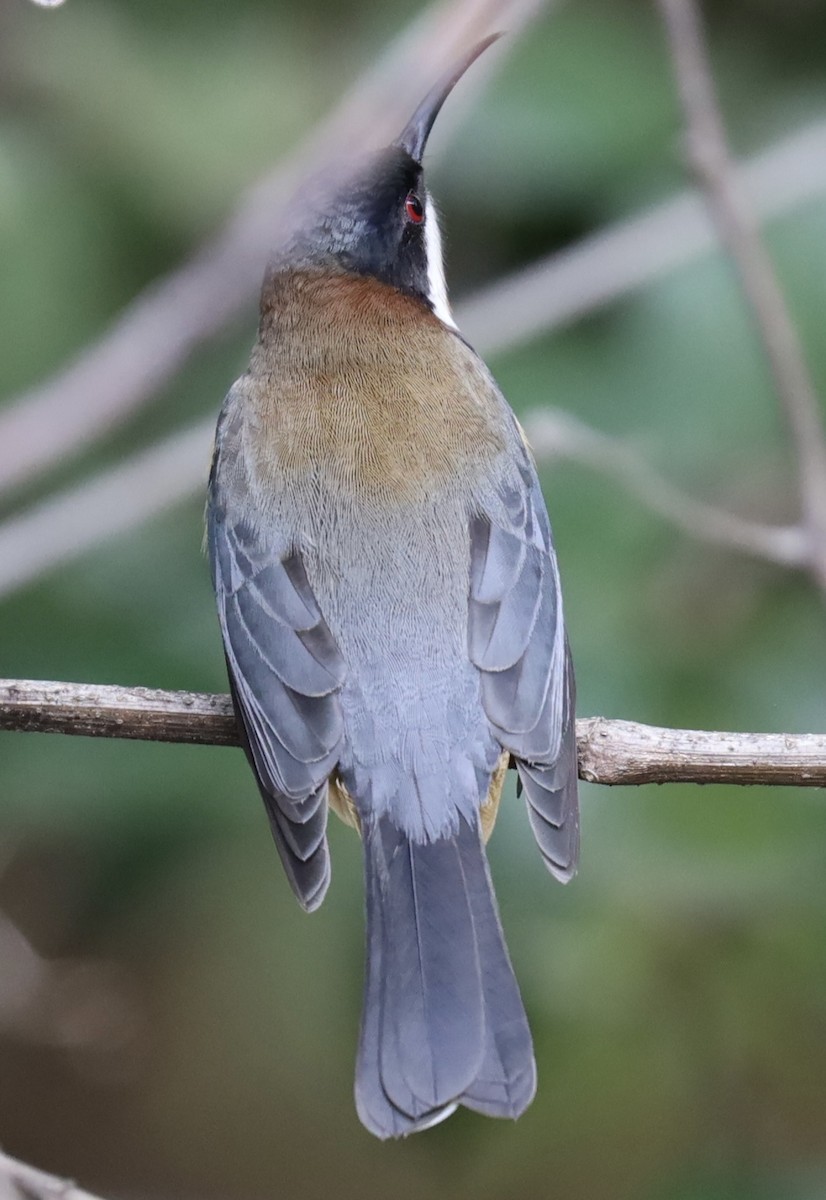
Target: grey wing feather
[
  {"x": 285, "y": 671},
  {"x": 551, "y": 794},
  {"x": 505, "y": 597},
  {"x": 516, "y": 637}
]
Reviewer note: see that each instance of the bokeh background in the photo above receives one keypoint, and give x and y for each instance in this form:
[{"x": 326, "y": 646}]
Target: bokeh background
[{"x": 170, "y": 1023}]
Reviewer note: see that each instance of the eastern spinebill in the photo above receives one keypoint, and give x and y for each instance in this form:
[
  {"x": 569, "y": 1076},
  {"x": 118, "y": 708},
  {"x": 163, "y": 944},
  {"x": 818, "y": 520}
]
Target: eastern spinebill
[{"x": 390, "y": 606}]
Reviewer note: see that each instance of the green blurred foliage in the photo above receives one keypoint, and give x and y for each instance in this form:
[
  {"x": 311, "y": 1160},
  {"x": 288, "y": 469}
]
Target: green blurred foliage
[{"x": 678, "y": 988}]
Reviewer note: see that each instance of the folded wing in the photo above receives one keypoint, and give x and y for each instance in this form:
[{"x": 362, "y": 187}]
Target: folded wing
[
  {"x": 516, "y": 637},
  {"x": 285, "y": 672}
]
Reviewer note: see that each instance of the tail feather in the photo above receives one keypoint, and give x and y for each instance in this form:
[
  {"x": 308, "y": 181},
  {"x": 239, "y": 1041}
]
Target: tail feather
[
  {"x": 432, "y": 1038},
  {"x": 375, "y": 1110},
  {"x": 443, "y": 1021},
  {"x": 506, "y": 1082}
]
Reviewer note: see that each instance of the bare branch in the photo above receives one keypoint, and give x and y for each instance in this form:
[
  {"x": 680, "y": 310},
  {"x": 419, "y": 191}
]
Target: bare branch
[
  {"x": 623, "y": 752},
  {"x": 18, "y": 1181},
  {"x": 155, "y": 334},
  {"x": 97, "y": 710},
  {"x": 732, "y": 212},
  {"x": 610, "y": 752}
]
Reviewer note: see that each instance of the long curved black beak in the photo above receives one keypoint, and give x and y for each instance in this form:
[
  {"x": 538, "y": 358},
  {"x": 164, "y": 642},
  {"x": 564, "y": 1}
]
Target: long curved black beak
[{"x": 413, "y": 137}]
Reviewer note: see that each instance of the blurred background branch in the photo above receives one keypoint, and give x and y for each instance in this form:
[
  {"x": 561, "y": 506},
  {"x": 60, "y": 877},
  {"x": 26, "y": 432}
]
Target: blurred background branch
[
  {"x": 78, "y": 1005},
  {"x": 677, "y": 991},
  {"x": 18, "y": 1181},
  {"x": 610, "y": 751},
  {"x": 734, "y": 216},
  {"x": 68, "y": 524},
  {"x": 159, "y": 330},
  {"x": 502, "y": 316},
  {"x": 555, "y": 434},
  {"x": 629, "y": 254}
]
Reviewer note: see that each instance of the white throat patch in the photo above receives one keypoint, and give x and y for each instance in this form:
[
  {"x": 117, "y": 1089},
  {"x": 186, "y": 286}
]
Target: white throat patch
[{"x": 437, "y": 286}]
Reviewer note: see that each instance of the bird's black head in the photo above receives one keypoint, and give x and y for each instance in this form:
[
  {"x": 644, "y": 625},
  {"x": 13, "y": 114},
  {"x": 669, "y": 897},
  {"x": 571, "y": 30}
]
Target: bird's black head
[{"x": 378, "y": 219}]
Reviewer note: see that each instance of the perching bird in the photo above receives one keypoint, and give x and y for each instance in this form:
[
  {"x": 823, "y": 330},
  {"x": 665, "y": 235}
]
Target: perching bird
[{"x": 390, "y": 607}]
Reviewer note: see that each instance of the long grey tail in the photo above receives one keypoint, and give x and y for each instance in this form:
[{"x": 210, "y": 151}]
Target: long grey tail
[{"x": 443, "y": 1021}]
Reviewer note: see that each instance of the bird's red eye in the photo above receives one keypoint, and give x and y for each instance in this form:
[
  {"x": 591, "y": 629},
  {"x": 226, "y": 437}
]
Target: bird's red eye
[{"x": 414, "y": 209}]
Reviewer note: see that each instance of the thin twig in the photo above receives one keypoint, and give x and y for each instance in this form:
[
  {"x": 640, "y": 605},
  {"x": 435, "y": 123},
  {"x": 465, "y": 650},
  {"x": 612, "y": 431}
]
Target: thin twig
[
  {"x": 158, "y": 331},
  {"x": 610, "y": 752},
  {"x": 735, "y": 220},
  {"x": 18, "y": 1181},
  {"x": 553, "y": 433}
]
